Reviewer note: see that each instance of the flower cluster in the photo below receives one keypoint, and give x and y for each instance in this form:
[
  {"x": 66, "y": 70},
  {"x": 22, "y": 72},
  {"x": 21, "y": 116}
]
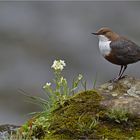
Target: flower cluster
[{"x": 58, "y": 65}]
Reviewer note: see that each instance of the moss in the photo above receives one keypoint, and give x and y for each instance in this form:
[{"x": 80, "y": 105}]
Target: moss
[
  {"x": 66, "y": 119},
  {"x": 57, "y": 137},
  {"x": 111, "y": 132},
  {"x": 82, "y": 117},
  {"x": 136, "y": 134}
]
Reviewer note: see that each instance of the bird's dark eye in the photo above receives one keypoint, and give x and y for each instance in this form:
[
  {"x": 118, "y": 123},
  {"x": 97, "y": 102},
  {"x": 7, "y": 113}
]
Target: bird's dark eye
[{"x": 104, "y": 32}]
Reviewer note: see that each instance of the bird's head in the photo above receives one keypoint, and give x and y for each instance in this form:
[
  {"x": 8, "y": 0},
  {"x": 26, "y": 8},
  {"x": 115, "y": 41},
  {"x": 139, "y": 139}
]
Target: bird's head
[{"x": 106, "y": 34}]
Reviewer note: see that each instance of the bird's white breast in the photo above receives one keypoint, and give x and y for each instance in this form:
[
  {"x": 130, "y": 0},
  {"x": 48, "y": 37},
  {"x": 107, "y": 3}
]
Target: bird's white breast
[{"x": 104, "y": 45}]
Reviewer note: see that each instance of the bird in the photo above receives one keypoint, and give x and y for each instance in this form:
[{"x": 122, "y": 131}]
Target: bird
[{"x": 117, "y": 49}]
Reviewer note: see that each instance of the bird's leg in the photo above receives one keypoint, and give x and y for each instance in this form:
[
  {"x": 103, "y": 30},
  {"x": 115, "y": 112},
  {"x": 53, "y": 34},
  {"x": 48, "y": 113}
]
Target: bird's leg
[
  {"x": 120, "y": 71},
  {"x": 124, "y": 68},
  {"x": 118, "y": 76}
]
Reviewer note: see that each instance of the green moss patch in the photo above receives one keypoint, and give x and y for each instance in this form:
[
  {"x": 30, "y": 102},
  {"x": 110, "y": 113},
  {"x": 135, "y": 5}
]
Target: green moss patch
[{"x": 76, "y": 115}]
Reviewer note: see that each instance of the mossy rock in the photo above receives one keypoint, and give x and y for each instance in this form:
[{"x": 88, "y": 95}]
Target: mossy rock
[
  {"x": 65, "y": 123},
  {"x": 86, "y": 114}
]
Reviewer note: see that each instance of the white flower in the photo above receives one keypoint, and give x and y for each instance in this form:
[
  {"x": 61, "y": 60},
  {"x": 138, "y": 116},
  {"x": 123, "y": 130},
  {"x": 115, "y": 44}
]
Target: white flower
[
  {"x": 80, "y": 76},
  {"x": 47, "y": 85},
  {"x": 58, "y": 65},
  {"x": 63, "y": 62}
]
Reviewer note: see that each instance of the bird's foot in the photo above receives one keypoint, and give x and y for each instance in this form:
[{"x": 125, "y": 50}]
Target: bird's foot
[
  {"x": 124, "y": 76},
  {"x": 117, "y": 79},
  {"x": 114, "y": 80}
]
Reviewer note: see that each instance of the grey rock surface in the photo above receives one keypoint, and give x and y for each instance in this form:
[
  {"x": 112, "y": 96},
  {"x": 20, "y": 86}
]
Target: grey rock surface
[
  {"x": 6, "y": 130},
  {"x": 123, "y": 94}
]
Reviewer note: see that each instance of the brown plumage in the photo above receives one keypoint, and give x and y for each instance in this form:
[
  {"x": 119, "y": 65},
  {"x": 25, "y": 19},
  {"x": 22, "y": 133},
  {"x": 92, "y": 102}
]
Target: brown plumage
[{"x": 117, "y": 49}]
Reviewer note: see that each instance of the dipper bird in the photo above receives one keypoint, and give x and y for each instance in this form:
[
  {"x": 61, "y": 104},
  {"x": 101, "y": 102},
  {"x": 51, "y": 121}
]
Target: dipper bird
[{"x": 117, "y": 49}]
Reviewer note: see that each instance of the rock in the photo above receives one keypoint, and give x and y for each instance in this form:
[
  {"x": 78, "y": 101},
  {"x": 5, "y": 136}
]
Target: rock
[
  {"x": 6, "y": 130},
  {"x": 109, "y": 112},
  {"x": 124, "y": 94}
]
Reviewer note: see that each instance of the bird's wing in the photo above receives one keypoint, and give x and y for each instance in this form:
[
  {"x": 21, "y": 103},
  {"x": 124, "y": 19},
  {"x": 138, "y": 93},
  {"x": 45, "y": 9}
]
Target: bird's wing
[{"x": 125, "y": 50}]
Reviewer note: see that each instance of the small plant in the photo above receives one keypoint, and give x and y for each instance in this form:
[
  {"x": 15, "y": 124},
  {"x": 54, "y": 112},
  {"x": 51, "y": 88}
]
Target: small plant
[
  {"x": 33, "y": 129},
  {"x": 84, "y": 84},
  {"x": 119, "y": 115},
  {"x": 57, "y": 91},
  {"x": 87, "y": 126},
  {"x": 95, "y": 81},
  {"x": 61, "y": 91}
]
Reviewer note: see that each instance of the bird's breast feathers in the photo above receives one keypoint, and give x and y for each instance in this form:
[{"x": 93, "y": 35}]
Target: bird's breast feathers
[{"x": 104, "y": 47}]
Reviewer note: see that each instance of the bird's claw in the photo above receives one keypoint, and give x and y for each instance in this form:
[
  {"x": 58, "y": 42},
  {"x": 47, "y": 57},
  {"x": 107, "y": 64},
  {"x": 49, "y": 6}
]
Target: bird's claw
[{"x": 117, "y": 79}]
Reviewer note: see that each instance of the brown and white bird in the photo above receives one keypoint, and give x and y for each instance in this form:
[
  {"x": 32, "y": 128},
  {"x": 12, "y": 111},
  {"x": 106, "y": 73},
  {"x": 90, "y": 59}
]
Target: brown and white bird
[{"x": 117, "y": 49}]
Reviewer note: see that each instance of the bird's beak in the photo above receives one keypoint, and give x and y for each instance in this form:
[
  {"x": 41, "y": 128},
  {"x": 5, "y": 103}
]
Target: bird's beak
[{"x": 95, "y": 33}]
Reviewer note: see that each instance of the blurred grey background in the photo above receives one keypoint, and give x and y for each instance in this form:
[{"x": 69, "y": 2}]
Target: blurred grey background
[{"x": 33, "y": 34}]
